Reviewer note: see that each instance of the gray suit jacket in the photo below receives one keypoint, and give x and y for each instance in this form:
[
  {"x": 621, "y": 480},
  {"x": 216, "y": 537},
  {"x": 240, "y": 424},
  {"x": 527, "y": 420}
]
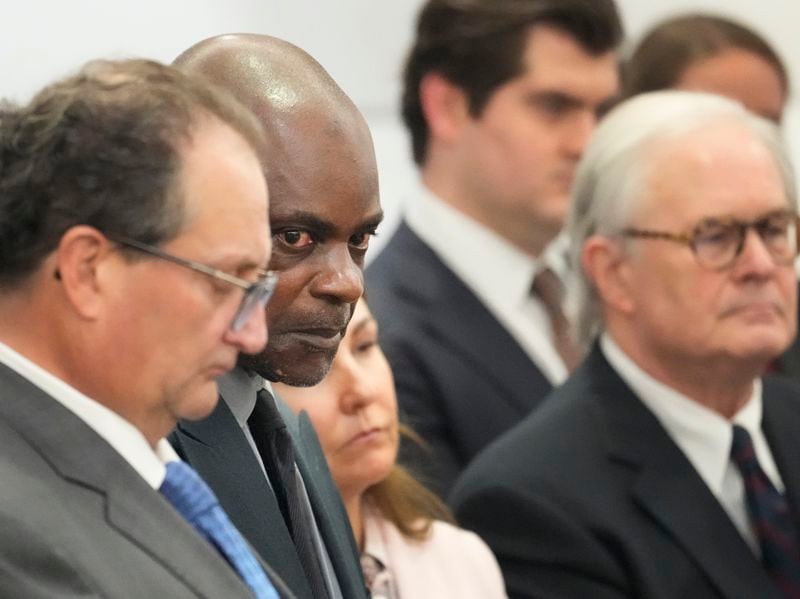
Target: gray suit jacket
[{"x": 76, "y": 520}]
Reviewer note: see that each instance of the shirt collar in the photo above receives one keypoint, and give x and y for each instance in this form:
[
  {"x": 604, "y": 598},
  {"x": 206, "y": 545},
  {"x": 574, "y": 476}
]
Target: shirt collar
[
  {"x": 123, "y": 436},
  {"x": 702, "y": 434},
  {"x": 239, "y": 388},
  {"x": 497, "y": 271}
]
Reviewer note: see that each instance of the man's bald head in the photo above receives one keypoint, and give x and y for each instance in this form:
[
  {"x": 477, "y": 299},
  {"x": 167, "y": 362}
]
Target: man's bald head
[
  {"x": 277, "y": 80},
  {"x": 323, "y": 184}
]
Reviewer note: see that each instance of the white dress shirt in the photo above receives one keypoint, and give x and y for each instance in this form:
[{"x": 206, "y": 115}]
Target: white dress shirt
[
  {"x": 238, "y": 389},
  {"x": 704, "y": 436},
  {"x": 497, "y": 272},
  {"x": 124, "y": 437}
]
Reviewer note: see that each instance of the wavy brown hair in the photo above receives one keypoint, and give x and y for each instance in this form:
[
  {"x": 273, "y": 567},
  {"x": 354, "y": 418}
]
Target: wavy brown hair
[{"x": 406, "y": 502}]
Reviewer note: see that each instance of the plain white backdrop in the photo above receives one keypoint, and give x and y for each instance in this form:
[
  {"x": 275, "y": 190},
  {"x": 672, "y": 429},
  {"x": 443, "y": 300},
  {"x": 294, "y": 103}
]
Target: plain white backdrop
[{"x": 360, "y": 42}]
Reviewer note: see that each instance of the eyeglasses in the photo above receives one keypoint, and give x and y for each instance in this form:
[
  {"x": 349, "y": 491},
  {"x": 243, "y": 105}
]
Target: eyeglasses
[
  {"x": 256, "y": 294},
  {"x": 717, "y": 242}
]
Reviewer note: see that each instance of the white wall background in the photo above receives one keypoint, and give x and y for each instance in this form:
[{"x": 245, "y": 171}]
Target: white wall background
[{"x": 360, "y": 42}]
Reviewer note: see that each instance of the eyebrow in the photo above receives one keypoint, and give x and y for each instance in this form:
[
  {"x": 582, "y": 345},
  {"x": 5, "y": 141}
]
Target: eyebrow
[
  {"x": 552, "y": 94},
  {"x": 323, "y": 227},
  {"x": 372, "y": 222},
  {"x": 572, "y": 102}
]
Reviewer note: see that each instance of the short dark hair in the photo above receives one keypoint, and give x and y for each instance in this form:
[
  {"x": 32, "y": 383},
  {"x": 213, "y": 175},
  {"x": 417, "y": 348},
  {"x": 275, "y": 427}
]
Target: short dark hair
[
  {"x": 478, "y": 45},
  {"x": 667, "y": 50},
  {"x": 102, "y": 148}
]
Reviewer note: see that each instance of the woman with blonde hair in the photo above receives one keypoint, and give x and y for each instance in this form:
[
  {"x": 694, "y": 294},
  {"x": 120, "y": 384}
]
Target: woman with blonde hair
[{"x": 409, "y": 547}]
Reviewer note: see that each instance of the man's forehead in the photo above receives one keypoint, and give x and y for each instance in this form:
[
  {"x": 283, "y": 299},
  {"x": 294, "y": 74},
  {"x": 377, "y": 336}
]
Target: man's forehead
[
  {"x": 717, "y": 172},
  {"x": 553, "y": 60}
]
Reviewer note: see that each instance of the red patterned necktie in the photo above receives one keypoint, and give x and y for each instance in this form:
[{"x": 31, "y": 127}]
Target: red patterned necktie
[{"x": 771, "y": 517}]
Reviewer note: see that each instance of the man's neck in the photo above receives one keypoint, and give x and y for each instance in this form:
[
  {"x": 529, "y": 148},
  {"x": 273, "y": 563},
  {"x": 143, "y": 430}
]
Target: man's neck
[
  {"x": 530, "y": 240},
  {"x": 720, "y": 384}
]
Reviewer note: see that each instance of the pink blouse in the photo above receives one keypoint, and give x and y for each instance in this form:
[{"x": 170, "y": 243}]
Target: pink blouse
[{"x": 451, "y": 562}]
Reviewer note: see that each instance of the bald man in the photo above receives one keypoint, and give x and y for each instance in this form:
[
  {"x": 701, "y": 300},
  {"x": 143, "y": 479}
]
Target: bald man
[{"x": 324, "y": 208}]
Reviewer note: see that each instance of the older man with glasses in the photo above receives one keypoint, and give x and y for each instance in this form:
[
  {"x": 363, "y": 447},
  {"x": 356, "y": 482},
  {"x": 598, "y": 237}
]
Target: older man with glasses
[
  {"x": 666, "y": 466},
  {"x": 133, "y": 245}
]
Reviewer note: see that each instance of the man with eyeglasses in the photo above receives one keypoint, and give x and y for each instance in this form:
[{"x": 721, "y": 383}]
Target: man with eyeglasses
[
  {"x": 132, "y": 257},
  {"x": 265, "y": 464},
  {"x": 666, "y": 465}
]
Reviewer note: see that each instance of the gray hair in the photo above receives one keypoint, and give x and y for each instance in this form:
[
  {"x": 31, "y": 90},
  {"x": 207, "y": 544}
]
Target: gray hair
[{"x": 611, "y": 176}]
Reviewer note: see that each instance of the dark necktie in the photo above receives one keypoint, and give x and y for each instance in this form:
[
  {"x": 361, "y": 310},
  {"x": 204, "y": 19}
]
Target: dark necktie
[
  {"x": 548, "y": 288},
  {"x": 770, "y": 516},
  {"x": 196, "y": 502},
  {"x": 275, "y": 447}
]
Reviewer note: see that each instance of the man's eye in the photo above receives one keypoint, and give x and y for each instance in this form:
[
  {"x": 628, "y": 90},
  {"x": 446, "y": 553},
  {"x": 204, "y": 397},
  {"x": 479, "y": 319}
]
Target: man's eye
[
  {"x": 295, "y": 239},
  {"x": 361, "y": 240},
  {"x": 715, "y": 235}
]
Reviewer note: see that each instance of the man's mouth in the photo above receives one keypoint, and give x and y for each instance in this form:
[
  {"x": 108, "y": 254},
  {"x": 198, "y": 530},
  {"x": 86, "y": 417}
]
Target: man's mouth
[{"x": 321, "y": 338}]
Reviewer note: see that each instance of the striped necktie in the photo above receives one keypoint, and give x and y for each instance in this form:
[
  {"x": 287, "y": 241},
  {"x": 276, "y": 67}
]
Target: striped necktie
[
  {"x": 196, "y": 502},
  {"x": 770, "y": 516}
]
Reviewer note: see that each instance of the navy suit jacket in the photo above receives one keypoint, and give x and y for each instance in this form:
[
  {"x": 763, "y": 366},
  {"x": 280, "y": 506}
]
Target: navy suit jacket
[
  {"x": 462, "y": 379},
  {"x": 590, "y": 497},
  {"x": 219, "y": 451}
]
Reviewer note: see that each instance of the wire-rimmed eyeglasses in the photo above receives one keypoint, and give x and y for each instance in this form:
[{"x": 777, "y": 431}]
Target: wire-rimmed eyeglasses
[
  {"x": 717, "y": 242},
  {"x": 256, "y": 294}
]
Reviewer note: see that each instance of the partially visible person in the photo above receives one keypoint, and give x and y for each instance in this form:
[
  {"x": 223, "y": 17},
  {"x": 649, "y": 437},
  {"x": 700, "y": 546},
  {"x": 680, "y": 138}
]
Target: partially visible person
[
  {"x": 264, "y": 463},
  {"x": 699, "y": 52},
  {"x": 713, "y": 54},
  {"x": 500, "y": 98},
  {"x": 409, "y": 550},
  {"x": 666, "y": 465},
  {"x": 132, "y": 257}
]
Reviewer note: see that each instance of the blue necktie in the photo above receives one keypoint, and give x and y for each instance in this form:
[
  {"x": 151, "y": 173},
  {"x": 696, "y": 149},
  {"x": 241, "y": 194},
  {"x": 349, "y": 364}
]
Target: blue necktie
[
  {"x": 770, "y": 516},
  {"x": 196, "y": 502}
]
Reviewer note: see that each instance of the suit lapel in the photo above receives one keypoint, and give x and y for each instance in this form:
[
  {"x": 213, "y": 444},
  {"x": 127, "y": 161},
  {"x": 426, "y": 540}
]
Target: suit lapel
[
  {"x": 669, "y": 490},
  {"x": 459, "y": 320},
  {"x": 781, "y": 423},
  {"x": 132, "y": 507},
  {"x": 143, "y": 517},
  {"x": 326, "y": 503},
  {"x": 219, "y": 451}
]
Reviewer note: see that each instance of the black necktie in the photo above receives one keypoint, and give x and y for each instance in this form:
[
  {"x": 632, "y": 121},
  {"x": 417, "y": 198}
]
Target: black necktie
[
  {"x": 770, "y": 516},
  {"x": 275, "y": 447}
]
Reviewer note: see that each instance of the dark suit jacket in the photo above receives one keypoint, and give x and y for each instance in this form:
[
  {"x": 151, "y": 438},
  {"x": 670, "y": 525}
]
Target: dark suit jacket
[
  {"x": 589, "y": 497},
  {"x": 76, "y": 520},
  {"x": 788, "y": 365},
  {"x": 219, "y": 451},
  {"x": 462, "y": 379}
]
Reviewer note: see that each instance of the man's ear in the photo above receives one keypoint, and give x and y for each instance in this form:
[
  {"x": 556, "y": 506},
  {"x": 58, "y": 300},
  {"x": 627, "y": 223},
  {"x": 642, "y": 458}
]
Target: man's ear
[
  {"x": 607, "y": 267},
  {"x": 444, "y": 105},
  {"x": 79, "y": 259}
]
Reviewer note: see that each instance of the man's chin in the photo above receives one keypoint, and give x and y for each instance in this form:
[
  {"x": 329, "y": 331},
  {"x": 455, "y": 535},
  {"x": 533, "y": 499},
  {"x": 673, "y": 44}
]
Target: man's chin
[{"x": 294, "y": 368}]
